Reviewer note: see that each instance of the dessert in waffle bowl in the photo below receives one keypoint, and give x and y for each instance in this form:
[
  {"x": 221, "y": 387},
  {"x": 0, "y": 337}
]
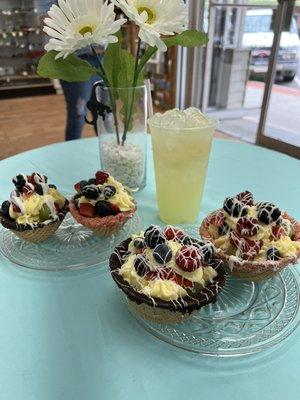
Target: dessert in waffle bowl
[
  {"x": 255, "y": 240},
  {"x": 35, "y": 209},
  {"x": 167, "y": 275},
  {"x": 102, "y": 204}
]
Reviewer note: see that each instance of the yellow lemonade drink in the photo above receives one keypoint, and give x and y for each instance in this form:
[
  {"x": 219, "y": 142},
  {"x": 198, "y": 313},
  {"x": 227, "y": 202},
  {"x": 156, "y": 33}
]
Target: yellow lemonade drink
[{"x": 181, "y": 146}]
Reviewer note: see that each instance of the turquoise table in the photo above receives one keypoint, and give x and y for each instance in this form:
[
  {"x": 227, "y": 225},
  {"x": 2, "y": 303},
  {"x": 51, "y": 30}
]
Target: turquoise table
[{"x": 66, "y": 336}]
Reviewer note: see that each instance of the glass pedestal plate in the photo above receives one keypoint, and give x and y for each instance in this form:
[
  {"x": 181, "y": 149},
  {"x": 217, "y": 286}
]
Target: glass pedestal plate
[{"x": 72, "y": 247}]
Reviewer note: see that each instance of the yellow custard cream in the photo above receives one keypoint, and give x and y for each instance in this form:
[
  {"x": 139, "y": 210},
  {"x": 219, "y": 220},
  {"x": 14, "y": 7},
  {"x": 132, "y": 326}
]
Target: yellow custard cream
[
  {"x": 274, "y": 233},
  {"x": 164, "y": 289}
]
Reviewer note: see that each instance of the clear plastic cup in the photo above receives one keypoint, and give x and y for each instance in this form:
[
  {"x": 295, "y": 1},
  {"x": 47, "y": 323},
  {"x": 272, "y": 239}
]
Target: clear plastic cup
[{"x": 181, "y": 156}]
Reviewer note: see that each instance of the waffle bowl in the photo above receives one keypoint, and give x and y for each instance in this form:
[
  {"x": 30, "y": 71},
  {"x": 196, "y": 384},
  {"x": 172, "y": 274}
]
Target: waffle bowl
[
  {"x": 158, "y": 310},
  {"x": 39, "y": 233},
  {"x": 102, "y": 226},
  {"x": 255, "y": 271}
]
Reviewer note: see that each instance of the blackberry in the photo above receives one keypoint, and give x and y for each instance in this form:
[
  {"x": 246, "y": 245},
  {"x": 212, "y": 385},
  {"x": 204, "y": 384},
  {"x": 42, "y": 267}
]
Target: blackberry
[
  {"x": 273, "y": 254},
  {"x": 234, "y": 207},
  {"x": 19, "y": 182},
  {"x": 103, "y": 209},
  {"x": 91, "y": 192},
  {"x": 207, "y": 250},
  {"x": 39, "y": 190},
  {"x": 139, "y": 243},
  {"x": 52, "y": 186},
  {"x": 162, "y": 254},
  {"x": 109, "y": 191},
  {"x": 82, "y": 184},
  {"x": 223, "y": 229},
  {"x": 154, "y": 236},
  {"x": 268, "y": 213},
  {"x": 5, "y": 208},
  {"x": 92, "y": 181},
  {"x": 141, "y": 265}
]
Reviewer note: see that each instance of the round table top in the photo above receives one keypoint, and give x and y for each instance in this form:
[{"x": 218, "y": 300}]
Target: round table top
[{"x": 65, "y": 336}]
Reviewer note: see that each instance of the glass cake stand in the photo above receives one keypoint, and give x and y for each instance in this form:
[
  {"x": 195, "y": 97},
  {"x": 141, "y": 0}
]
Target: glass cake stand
[
  {"x": 248, "y": 317},
  {"x": 72, "y": 247}
]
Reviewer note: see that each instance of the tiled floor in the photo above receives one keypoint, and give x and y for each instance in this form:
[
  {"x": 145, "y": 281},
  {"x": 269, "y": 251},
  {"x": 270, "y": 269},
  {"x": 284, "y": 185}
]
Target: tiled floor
[{"x": 30, "y": 122}]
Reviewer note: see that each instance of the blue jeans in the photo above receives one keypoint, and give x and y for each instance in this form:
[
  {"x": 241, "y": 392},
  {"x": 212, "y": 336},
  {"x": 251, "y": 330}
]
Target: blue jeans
[{"x": 77, "y": 95}]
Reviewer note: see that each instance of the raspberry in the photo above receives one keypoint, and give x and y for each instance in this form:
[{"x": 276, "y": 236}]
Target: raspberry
[
  {"x": 173, "y": 233},
  {"x": 188, "y": 258},
  {"x": 101, "y": 177},
  {"x": 246, "y": 198},
  {"x": 247, "y": 226}
]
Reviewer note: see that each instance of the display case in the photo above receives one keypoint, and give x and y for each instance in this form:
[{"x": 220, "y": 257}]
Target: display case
[{"x": 21, "y": 45}]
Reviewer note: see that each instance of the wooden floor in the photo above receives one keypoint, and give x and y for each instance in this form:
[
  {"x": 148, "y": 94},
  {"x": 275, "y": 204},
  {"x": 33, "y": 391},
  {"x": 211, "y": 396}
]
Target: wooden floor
[{"x": 30, "y": 122}]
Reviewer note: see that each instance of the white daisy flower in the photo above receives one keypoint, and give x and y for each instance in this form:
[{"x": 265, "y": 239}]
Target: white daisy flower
[
  {"x": 156, "y": 18},
  {"x": 75, "y": 24}
]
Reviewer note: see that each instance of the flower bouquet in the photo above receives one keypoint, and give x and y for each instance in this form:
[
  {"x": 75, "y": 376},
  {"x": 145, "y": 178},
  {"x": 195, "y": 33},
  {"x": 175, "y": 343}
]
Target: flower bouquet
[{"x": 74, "y": 25}]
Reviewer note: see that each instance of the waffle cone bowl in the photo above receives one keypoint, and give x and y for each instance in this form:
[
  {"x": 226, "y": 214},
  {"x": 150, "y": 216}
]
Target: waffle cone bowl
[
  {"x": 255, "y": 271},
  {"x": 158, "y": 310},
  {"x": 38, "y": 234},
  {"x": 103, "y": 226}
]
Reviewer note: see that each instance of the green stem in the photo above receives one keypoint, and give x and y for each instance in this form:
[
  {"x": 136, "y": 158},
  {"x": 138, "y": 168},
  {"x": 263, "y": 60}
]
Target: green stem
[
  {"x": 134, "y": 83},
  {"x": 110, "y": 93}
]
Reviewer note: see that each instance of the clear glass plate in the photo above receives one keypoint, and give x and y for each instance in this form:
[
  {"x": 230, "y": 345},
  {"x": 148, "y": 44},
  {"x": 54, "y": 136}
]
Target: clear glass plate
[
  {"x": 72, "y": 247},
  {"x": 248, "y": 317}
]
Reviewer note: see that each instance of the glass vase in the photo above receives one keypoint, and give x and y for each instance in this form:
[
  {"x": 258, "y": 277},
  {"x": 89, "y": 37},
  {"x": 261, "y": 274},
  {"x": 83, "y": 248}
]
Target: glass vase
[{"x": 122, "y": 133}]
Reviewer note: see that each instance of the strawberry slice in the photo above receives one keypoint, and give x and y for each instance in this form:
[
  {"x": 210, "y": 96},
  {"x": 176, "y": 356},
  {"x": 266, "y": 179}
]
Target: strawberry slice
[
  {"x": 217, "y": 219},
  {"x": 249, "y": 248},
  {"x": 101, "y": 177},
  {"x": 15, "y": 208},
  {"x": 169, "y": 274},
  {"x": 180, "y": 280},
  {"x": 77, "y": 187},
  {"x": 87, "y": 210},
  {"x": 114, "y": 208},
  {"x": 173, "y": 233},
  {"x": 247, "y": 226},
  {"x": 277, "y": 232},
  {"x": 235, "y": 239}
]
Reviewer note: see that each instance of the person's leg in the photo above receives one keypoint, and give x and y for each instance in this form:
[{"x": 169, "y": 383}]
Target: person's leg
[{"x": 77, "y": 95}]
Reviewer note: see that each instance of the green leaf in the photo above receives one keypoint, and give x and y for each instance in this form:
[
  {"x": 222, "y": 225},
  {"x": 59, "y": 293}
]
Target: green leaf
[
  {"x": 70, "y": 69},
  {"x": 191, "y": 38}
]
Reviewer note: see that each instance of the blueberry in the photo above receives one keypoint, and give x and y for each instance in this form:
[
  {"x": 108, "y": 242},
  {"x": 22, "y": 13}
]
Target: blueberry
[
  {"x": 39, "y": 190},
  {"x": 162, "y": 254},
  {"x": 92, "y": 181},
  {"x": 90, "y": 192},
  {"x": 139, "y": 243},
  {"x": 19, "y": 182},
  {"x": 234, "y": 207},
  {"x": 82, "y": 184},
  {"x": 103, "y": 209},
  {"x": 109, "y": 191},
  {"x": 154, "y": 236},
  {"x": 223, "y": 229},
  {"x": 5, "y": 207},
  {"x": 273, "y": 254},
  {"x": 141, "y": 265},
  {"x": 52, "y": 186}
]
